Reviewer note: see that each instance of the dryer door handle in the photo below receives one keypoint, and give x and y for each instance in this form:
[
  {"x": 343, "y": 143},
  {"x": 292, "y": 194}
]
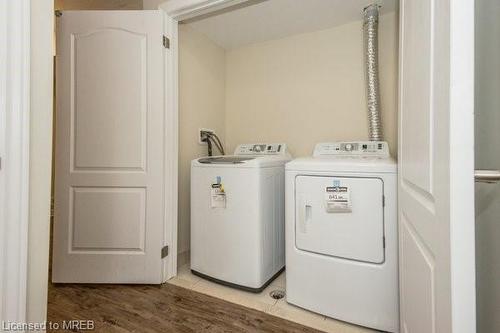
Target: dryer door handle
[
  {"x": 308, "y": 214},
  {"x": 305, "y": 214}
]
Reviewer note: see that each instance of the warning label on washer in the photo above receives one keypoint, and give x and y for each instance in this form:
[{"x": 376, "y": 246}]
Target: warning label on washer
[
  {"x": 338, "y": 199},
  {"x": 217, "y": 196}
]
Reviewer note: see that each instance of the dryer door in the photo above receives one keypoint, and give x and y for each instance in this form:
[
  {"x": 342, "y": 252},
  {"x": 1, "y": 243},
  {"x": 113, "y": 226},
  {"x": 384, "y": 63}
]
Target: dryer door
[{"x": 340, "y": 217}]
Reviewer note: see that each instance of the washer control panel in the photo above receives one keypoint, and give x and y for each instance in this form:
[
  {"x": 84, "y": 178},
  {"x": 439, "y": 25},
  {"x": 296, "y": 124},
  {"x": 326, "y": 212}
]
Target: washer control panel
[
  {"x": 261, "y": 149},
  {"x": 353, "y": 148}
]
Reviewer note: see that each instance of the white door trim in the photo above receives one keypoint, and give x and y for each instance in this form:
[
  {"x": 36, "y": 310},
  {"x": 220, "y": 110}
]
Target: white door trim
[
  {"x": 14, "y": 151},
  {"x": 174, "y": 12},
  {"x": 180, "y": 10},
  {"x": 171, "y": 146},
  {"x": 462, "y": 226}
]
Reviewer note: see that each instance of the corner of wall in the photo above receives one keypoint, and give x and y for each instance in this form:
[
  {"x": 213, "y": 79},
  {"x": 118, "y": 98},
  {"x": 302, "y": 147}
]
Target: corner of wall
[{"x": 201, "y": 105}]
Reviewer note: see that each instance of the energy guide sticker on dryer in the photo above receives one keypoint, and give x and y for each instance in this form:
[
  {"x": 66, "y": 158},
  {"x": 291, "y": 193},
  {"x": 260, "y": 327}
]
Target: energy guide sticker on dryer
[{"x": 338, "y": 199}]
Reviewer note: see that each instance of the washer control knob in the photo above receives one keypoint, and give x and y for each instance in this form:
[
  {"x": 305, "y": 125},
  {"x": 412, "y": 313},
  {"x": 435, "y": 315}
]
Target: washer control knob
[
  {"x": 257, "y": 149},
  {"x": 348, "y": 147}
]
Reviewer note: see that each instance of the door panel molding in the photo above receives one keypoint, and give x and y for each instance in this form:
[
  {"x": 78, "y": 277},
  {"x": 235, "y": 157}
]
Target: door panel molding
[
  {"x": 110, "y": 227},
  {"x": 423, "y": 267},
  {"x": 417, "y": 131},
  {"x": 91, "y": 135}
]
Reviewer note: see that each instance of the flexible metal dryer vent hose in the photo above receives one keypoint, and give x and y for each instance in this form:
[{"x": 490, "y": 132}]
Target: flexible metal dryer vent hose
[{"x": 370, "y": 31}]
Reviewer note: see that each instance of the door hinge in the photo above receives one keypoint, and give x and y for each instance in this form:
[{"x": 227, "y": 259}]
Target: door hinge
[
  {"x": 383, "y": 201},
  {"x": 164, "y": 251},
  {"x": 383, "y": 241},
  {"x": 166, "y": 42}
]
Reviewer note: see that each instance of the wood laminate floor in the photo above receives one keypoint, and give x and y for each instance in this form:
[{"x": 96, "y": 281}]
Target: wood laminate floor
[{"x": 165, "y": 308}]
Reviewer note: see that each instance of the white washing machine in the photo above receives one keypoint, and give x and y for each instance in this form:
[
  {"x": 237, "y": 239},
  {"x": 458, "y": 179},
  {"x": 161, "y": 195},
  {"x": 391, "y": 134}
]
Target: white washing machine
[
  {"x": 341, "y": 234},
  {"x": 238, "y": 216}
]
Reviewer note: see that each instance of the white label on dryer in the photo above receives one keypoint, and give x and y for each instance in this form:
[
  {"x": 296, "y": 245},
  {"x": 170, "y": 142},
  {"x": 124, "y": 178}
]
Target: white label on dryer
[
  {"x": 338, "y": 199},
  {"x": 217, "y": 196}
]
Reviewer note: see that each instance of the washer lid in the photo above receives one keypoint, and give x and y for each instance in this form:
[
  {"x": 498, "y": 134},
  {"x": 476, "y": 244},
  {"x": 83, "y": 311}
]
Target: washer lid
[
  {"x": 224, "y": 159},
  {"x": 235, "y": 161}
]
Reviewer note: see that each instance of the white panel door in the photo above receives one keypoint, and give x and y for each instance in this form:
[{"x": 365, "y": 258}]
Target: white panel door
[
  {"x": 109, "y": 200},
  {"x": 436, "y": 153}
]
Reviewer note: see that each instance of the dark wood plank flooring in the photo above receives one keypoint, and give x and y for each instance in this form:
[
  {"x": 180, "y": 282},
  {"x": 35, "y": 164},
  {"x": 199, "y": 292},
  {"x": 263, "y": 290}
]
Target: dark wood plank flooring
[{"x": 165, "y": 308}]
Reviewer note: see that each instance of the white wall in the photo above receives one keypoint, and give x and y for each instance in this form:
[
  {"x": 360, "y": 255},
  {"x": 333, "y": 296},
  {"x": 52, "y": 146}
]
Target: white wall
[
  {"x": 42, "y": 32},
  {"x": 152, "y": 4},
  {"x": 201, "y": 105},
  {"x": 487, "y": 110},
  {"x": 309, "y": 88}
]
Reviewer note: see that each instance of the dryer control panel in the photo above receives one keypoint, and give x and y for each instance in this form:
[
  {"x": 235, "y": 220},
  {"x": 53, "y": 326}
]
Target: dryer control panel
[
  {"x": 261, "y": 149},
  {"x": 353, "y": 148}
]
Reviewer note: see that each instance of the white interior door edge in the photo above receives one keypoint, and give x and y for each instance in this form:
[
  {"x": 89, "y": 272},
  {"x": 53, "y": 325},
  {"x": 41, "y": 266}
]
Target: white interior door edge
[{"x": 14, "y": 154}]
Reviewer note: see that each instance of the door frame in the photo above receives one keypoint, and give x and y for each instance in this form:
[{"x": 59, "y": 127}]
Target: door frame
[
  {"x": 14, "y": 151},
  {"x": 462, "y": 228}
]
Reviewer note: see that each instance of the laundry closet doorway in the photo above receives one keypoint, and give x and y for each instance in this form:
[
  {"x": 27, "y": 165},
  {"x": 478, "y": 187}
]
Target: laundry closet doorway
[
  {"x": 433, "y": 164},
  {"x": 435, "y": 153}
]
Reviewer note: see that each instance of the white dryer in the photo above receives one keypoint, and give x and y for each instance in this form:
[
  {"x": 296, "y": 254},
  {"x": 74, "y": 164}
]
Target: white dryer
[
  {"x": 341, "y": 234},
  {"x": 238, "y": 216}
]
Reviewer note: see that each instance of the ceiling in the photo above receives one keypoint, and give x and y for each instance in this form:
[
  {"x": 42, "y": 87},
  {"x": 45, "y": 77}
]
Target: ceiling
[{"x": 273, "y": 19}]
